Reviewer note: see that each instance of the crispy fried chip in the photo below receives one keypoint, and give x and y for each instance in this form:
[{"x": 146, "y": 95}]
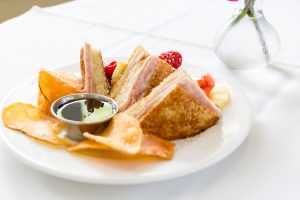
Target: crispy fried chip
[
  {"x": 54, "y": 85},
  {"x": 151, "y": 146},
  {"x": 156, "y": 147},
  {"x": 123, "y": 134},
  {"x": 43, "y": 104},
  {"x": 88, "y": 144},
  {"x": 32, "y": 121}
]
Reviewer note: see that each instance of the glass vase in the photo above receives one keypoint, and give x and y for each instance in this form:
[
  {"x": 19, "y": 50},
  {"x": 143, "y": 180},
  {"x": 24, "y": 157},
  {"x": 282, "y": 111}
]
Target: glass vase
[{"x": 247, "y": 40}]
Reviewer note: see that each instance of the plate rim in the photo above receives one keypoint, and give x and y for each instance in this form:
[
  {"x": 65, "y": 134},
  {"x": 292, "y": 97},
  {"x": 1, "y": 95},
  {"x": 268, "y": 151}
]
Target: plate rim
[{"x": 134, "y": 180}]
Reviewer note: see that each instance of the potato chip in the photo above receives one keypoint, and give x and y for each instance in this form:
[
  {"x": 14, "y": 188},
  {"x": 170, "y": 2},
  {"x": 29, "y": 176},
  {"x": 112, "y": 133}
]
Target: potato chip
[
  {"x": 156, "y": 147},
  {"x": 43, "y": 104},
  {"x": 54, "y": 85},
  {"x": 151, "y": 146},
  {"x": 33, "y": 122},
  {"x": 88, "y": 144},
  {"x": 123, "y": 134}
]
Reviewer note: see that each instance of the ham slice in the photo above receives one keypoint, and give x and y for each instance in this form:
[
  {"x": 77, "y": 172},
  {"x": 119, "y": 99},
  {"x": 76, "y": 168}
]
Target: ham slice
[
  {"x": 193, "y": 89},
  {"x": 92, "y": 70},
  {"x": 143, "y": 78},
  {"x": 87, "y": 60},
  {"x": 137, "y": 83},
  {"x": 137, "y": 56},
  {"x": 179, "y": 78}
]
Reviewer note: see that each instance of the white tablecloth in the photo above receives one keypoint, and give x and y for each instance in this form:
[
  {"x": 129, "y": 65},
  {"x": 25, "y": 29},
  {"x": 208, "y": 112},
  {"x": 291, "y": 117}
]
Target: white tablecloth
[{"x": 266, "y": 166}]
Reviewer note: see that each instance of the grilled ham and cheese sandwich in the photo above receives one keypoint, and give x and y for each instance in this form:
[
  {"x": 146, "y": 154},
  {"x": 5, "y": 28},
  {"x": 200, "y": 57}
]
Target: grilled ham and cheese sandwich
[
  {"x": 92, "y": 69},
  {"x": 176, "y": 108},
  {"x": 138, "y": 55},
  {"x": 139, "y": 82}
]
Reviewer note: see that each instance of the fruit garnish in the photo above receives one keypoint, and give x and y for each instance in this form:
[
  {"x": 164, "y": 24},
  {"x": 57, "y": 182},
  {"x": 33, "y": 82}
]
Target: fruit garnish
[
  {"x": 206, "y": 83},
  {"x": 173, "y": 58},
  {"x": 121, "y": 66},
  {"x": 110, "y": 68},
  {"x": 220, "y": 95}
]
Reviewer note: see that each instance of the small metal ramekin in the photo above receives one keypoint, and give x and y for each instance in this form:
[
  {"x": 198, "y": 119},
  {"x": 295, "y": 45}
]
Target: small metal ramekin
[{"x": 75, "y": 129}]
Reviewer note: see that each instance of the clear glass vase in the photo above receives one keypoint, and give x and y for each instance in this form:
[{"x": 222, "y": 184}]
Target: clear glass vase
[{"x": 247, "y": 40}]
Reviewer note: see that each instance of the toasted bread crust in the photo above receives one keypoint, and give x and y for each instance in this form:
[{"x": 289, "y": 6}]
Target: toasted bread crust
[
  {"x": 177, "y": 116},
  {"x": 82, "y": 68},
  {"x": 163, "y": 70},
  {"x": 127, "y": 84},
  {"x": 118, "y": 85},
  {"x": 99, "y": 78},
  {"x": 138, "y": 50},
  {"x": 146, "y": 75}
]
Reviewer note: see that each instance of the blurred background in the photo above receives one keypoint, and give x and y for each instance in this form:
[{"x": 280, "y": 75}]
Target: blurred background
[{"x": 13, "y": 8}]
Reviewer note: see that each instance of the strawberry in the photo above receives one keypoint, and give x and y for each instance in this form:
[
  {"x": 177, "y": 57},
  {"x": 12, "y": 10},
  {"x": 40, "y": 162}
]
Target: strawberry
[
  {"x": 206, "y": 83},
  {"x": 174, "y": 58},
  {"x": 109, "y": 69}
]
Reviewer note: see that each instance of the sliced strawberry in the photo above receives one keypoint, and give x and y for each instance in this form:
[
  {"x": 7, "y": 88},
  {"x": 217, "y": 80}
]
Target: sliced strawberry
[
  {"x": 109, "y": 69},
  {"x": 174, "y": 58},
  {"x": 206, "y": 83}
]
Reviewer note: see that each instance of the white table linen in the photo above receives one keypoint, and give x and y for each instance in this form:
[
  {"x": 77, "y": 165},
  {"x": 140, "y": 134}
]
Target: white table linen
[{"x": 266, "y": 166}]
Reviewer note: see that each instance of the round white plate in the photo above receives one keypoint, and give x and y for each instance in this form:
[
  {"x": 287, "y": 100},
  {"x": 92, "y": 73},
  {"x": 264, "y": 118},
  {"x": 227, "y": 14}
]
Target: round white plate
[{"x": 191, "y": 155}]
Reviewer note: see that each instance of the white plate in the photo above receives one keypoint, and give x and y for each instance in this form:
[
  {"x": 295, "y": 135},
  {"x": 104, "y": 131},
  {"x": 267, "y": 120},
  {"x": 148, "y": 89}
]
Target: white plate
[{"x": 191, "y": 155}]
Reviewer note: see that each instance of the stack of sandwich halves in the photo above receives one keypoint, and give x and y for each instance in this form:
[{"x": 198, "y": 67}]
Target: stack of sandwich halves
[{"x": 166, "y": 101}]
